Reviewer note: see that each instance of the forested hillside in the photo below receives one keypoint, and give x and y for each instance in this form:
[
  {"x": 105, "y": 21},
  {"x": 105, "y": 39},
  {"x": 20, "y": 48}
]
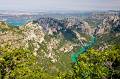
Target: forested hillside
[{"x": 42, "y": 48}]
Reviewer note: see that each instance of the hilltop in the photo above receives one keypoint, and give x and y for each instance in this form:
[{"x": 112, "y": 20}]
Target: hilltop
[{"x": 52, "y": 40}]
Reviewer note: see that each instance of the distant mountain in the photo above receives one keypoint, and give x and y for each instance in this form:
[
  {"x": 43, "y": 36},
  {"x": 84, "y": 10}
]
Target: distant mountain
[
  {"x": 109, "y": 32},
  {"x": 53, "y": 40}
]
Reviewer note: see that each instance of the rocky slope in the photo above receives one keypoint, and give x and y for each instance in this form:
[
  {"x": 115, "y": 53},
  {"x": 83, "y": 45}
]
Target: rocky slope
[
  {"x": 110, "y": 24},
  {"x": 51, "y": 44},
  {"x": 109, "y": 32},
  {"x": 53, "y": 40}
]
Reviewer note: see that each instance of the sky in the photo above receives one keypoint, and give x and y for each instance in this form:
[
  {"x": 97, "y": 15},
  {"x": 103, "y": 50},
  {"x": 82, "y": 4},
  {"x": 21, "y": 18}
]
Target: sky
[{"x": 51, "y": 5}]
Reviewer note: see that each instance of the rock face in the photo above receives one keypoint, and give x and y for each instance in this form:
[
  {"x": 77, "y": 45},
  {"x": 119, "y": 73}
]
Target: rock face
[
  {"x": 110, "y": 24},
  {"x": 53, "y": 40},
  {"x": 66, "y": 27},
  {"x": 33, "y": 32},
  {"x": 109, "y": 32}
]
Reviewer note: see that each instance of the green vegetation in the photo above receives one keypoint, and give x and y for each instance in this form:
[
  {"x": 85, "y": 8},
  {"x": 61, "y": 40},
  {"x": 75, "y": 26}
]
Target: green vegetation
[
  {"x": 100, "y": 62},
  {"x": 22, "y": 64},
  {"x": 4, "y": 27},
  {"x": 98, "y": 65},
  {"x": 110, "y": 38}
]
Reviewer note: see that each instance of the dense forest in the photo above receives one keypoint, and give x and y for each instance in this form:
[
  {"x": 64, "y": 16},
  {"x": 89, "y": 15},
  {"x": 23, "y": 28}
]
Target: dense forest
[
  {"x": 95, "y": 64},
  {"x": 44, "y": 48}
]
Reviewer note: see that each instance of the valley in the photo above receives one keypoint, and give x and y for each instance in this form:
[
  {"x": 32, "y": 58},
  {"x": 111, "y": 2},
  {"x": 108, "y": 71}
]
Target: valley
[{"x": 47, "y": 41}]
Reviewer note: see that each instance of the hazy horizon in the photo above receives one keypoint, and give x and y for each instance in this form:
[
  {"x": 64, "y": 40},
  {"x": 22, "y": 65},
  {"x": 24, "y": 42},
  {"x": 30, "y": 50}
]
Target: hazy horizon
[{"x": 52, "y": 5}]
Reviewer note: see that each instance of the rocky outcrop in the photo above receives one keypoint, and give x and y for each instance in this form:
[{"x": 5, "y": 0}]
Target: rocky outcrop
[
  {"x": 34, "y": 37},
  {"x": 33, "y": 32},
  {"x": 110, "y": 24},
  {"x": 53, "y": 40}
]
